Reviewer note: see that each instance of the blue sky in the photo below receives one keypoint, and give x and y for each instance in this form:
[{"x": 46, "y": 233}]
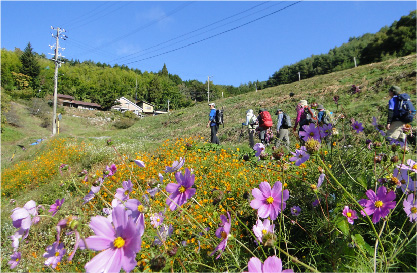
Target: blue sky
[{"x": 235, "y": 41}]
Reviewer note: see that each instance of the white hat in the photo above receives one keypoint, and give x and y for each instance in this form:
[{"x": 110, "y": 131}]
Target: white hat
[
  {"x": 303, "y": 103},
  {"x": 210, "y": 104}
]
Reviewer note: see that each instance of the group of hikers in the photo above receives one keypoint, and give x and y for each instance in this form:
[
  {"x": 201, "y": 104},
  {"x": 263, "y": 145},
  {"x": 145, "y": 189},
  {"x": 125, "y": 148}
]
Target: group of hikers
[{"x": 400, "y": 112}]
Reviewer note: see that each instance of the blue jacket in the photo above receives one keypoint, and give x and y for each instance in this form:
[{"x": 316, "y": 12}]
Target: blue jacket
[{"x": 212, "y": 117}]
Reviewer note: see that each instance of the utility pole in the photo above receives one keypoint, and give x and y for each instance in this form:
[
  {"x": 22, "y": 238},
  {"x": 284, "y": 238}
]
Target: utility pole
[
  {"x": 57, "y": 65},
  {"x": 299, "y": 76},
  {"x": 354, "y": 59},
  {"x": 168, "y": 106},
  {"x": 208, "y": 88},
  {"x": 136, "y": 90}
]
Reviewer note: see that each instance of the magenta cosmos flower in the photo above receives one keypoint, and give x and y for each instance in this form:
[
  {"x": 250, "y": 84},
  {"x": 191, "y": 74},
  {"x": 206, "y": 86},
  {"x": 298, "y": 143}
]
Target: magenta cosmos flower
[
  {"x": 118, "y": 242},
  {"x": 14, "y": 259},
  {"x": 262, "y": 228},
  {"x": 271, "y": 264},
  {"x": 269, "y": 202},
  {"x": 410, "y": 207},
  {"x": 176, "y": 165},
  {"x": 182, "y": 191},
  {"x": 223, "y": 232},
  {"x": 310, "y": 131},
  {"x": 326, "y": 130},
  {"x": 300, "y": 156},
  {"x": 157, "y": 219},
  {"x": 357, "y": 126},
  {"x": 122, "y": 194},
  {"x": 56, "y": 206},
  {"x": 54, "y": 254},
  {"x": 349, "y": 214},
  {"x": 379, "y": 204}
]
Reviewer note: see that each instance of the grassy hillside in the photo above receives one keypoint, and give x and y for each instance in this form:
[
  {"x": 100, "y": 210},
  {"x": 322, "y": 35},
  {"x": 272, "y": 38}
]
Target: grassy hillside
[{"x": 373, "y": 79}]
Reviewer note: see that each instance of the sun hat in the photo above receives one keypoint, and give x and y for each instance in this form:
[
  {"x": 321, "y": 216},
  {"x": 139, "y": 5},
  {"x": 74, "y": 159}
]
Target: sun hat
[
  {"x": 320, "y": 107},
  {"x": 210, "y": 104},
  {"x": 303, "y": 103},
  {"x": 395, "y": 89}
]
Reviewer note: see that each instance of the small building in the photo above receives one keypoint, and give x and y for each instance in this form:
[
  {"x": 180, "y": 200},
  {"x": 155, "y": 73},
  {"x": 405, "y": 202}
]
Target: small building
[
  {"x": 148, "y": 108},
  {"x": 124, "y": 105},
  {"x": 65, "y": 100}
]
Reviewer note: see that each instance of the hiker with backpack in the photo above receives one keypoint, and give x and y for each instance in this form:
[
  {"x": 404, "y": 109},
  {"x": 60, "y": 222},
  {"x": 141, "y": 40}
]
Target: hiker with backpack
[
  {"x": 265, "y": 123},
  {"x": 283, "y": 123},
  {"x": 252, "y": 123},
  {"x": 213, "y": 124},
  {"x": 305, "y": 116},
  {"x": 400, "y": 112}
]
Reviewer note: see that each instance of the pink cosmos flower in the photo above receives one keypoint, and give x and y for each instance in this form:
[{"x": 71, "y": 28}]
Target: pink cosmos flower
[
  {"x": 17, "y": 236},
  {"x": 410, "y": 207},
  {"x": 272, "y": 264},
  {"x": 14, "y": 259},
  {"x": 310, "y": 131},
  {"x": 54, "y": 254},
  {"x": 118, "y": 242},
  {"x": 295, "y": 210},
  {"x": 136, "y": 210},
  {"x": 71, "y": 223},
  {"x": 357, "y": 126},
  {"x": 56, "y": 206},
  {"x": 300, "y": 156},
  {"x": 259, "y": 148},
  {"x": 379, "y": 204},
  {"x": 182, "y": 191},
  {"x": 122, "y": 194},
  {"x": 21, "y": 217},
  {"x": 90, "y": 195},
  {"x": 176, "y": 165},
  {"x": 269, "y": 202},
  {"x": 157, "y": 219},
  {"x": 349, "y": 214},
  {"x": 320, "y": 180},
  {"x": 110, "y": 171},
  {"x": 140, "y": 163},
  {"x": 261, "y": 229},
  {"x": 223, "y": 232}
]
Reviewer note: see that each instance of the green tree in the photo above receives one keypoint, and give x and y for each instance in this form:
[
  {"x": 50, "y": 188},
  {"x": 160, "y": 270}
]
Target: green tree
[
  {"x": 10, "y": 62},
  {"x": 30, "y": 66}
]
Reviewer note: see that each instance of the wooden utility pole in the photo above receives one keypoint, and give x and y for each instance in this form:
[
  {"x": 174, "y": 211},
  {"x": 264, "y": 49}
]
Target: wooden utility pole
[
  {"x": 57, "y": 65},
  {"x": 208, "y": 88}
]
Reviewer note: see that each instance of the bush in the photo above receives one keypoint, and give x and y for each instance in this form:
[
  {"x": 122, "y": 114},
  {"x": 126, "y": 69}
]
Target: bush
[
  {"x": 38, "y": 107},
  {"x": 124, "y": 123},
  {"x": 46, "y": 120},
  {"x": 129, "y": 114}
]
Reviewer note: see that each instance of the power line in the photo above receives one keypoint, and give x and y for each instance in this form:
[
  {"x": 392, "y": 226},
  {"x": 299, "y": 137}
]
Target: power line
[
  {"x": 198, "y": 29},
  {"x": 215, "y": 35}
]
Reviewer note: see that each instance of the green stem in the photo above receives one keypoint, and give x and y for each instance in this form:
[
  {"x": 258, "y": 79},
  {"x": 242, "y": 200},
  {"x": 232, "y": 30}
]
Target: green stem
[
  {"x": 295, "y": 260},
  {"x": 245, "y": 247},
  {"x": 356, "y": 202},
  {"x": 376, "y": 245}
]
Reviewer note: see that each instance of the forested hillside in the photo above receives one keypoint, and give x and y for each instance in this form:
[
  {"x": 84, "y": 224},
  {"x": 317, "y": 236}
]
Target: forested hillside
[{"x": 395, "y": 41}]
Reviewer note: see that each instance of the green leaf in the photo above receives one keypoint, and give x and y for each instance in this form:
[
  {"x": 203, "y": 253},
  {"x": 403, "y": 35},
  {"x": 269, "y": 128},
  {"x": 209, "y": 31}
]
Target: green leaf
[
  {"x": 362, "y": 181},
  {"x": 343, "y": 225},
  {"x": 360, "y": 242}
]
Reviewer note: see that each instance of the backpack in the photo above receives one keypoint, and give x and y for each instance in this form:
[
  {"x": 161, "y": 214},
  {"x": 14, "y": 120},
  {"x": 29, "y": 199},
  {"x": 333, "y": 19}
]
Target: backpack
[
  {"x": 327, "y": 117},
  {"x": 406, "y": 110},
  {"x": 311, "y": 116},
  {"x": 219, "y": 117},
  {"x": 286, "y": 121},
  {"x": 266, "y": 119}
]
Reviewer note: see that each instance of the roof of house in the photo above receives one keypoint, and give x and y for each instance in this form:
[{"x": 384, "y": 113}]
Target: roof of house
[
  {"x": 65, "y": 96},
  {"x": 142, "y": 101},
  {"x": 85, "y": 103},
  {"x": 129, "y": 102}
]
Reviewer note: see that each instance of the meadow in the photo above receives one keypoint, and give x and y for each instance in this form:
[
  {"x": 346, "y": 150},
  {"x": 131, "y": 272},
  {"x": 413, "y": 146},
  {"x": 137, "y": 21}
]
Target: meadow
[{"x": 171, "y": 201}]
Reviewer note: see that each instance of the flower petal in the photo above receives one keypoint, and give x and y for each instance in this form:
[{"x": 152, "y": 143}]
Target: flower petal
[
  {"x": 254, "y": 265},
  {"x": 272, "y": 264}
]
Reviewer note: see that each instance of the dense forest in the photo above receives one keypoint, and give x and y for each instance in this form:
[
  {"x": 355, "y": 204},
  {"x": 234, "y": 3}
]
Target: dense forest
[{"x": 26, "y": 74}]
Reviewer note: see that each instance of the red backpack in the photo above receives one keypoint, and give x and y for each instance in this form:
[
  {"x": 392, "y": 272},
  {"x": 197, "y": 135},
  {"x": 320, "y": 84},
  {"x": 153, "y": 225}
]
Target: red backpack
[{"x": 266, "y": 119}]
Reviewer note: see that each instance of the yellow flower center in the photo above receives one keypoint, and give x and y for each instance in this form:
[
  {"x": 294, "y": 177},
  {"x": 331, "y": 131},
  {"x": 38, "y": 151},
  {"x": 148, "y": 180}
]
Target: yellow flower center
[
  {"x": 413, "y": 210},
  {"x": 181, "y": 189},
  {"x": 414, "y": 167},
  {"x": 264, "y": 231},
  {"x": 270, "y": 200},
  {"x": 140, "y": 208},
  {"x": 17, "y": 259},
  {"x": 313, "y": 187},
  {"x": 158, "y": 220},
  {"x": 224, "y": 235},
  {"x": 378, "y": 204},
  {"x": 285, "y": 185},
  {"x": 311, "y": 133},
  {"x": 119, "y": 242},
  {"x": 57, "y": 254},
  {"x": 126, "y": 192},
  {"x": 349, "y": 214}
]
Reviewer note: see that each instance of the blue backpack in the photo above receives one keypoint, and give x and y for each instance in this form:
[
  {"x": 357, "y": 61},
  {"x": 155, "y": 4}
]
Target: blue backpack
[{"x": 406, "y": 110}]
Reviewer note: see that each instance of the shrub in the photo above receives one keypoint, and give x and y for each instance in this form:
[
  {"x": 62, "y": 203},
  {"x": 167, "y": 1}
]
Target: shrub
[{"x": 123, "y": 123}]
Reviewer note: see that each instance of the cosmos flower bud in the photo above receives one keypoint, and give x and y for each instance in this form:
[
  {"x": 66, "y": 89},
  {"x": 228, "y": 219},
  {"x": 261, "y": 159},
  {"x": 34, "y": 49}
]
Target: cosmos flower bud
[
  {"x": 263, "y": 156},
  {"x": 269, "y": 240},
  {"x": 377, "y": 159},
  {"x": 157, "y": 263},
  {"x": 109, "y": 142},
  {"x": 74, "y": 224},
  {"x": 172, "y": 251},
  {"x": 394, "y": 159}
]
